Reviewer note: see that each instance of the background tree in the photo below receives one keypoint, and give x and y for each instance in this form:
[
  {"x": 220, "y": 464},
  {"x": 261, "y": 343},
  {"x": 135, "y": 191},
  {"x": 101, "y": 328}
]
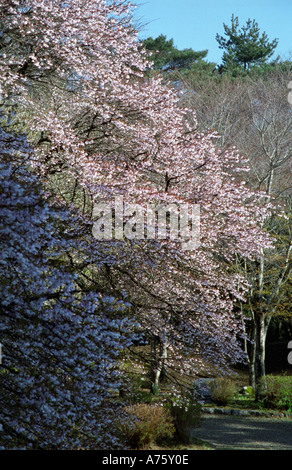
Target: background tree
[
  {"x": 166, "y": 56},
  {"x": 270, "y": 148},
  {"x": 244, "y": 47},
  {"x": 253, "y": 113}
]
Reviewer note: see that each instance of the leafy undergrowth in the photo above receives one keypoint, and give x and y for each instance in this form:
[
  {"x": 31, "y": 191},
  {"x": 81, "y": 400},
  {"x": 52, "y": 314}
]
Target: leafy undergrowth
[
  {"x": 241, "y": 403},
  {"x": 231, "y": 393}
]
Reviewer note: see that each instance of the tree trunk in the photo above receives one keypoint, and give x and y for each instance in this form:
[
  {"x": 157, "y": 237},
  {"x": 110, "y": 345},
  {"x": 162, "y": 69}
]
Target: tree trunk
[
  {"x": 260, "y": 354},
  {"x": 257, "y": 352},
  {"x": 153, "y": 360},
  {"x": 158, "y": 362},
  {"x": 250, "y": 350}
]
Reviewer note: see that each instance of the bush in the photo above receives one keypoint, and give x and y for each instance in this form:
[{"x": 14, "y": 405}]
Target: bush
[
  {"x": 144, "y": 424},
  {"x": 276, "y": 392},
  {"x": 249, "y": 391},
  {"x": 223, "y": 390},
  {"x": 186, "y": 414}
]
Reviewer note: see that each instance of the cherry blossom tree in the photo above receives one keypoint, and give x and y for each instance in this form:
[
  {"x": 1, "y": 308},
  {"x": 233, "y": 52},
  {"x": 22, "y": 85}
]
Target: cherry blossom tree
[
  {"x": 60, "y": 342},
  {"x": 73, "y": 79}
]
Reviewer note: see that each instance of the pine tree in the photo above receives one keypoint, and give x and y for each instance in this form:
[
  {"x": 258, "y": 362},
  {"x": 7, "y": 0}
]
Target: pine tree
[
  {"x": 166, "y": 56},
  {"x": 244, "y": 47}
]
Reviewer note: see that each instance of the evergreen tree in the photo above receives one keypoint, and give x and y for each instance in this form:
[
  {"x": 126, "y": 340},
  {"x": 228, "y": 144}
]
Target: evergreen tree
[
  {"x": 244, "y": 47},
  {"x": 167, "y": 57}
]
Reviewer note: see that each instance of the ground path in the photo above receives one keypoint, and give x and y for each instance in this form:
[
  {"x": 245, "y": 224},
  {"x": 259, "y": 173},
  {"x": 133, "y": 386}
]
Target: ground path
[{"x": 246, "y": 432}]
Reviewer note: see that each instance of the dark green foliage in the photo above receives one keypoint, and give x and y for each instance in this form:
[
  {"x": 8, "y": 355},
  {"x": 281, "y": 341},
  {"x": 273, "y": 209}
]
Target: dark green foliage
[
  {"x": 245, "y": 47},
  {"x": 276, "y": 392},
  {"x": 167, "y": 57}
]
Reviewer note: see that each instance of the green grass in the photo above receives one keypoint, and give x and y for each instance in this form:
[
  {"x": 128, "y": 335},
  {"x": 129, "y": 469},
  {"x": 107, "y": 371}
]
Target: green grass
[{"x": 173, "y": 444}]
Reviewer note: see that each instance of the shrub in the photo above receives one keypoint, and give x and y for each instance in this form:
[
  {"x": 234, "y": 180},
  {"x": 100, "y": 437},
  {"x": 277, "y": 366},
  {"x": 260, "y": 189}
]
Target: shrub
[
  {"x": 144, "y": 424},
  {"x": 186, "y": 414},
  {"x": 276, "y": 392},
  {"x": 223, "y": 390},
  {"x": 249, "y": 391}
]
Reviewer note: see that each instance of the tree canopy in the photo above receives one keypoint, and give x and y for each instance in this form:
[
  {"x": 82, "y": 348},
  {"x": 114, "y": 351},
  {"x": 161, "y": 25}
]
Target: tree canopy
[
  {"x": 245, "y": 46},
  {"x": 166, "y": 56}
]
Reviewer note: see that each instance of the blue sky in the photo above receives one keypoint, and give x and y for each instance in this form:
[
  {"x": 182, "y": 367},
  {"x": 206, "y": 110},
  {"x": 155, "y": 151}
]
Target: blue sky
[{"x": 194, "y": 23}]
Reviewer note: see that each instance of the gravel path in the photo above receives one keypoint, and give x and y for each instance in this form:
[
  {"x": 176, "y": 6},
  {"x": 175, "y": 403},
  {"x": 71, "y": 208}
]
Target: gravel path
[{"x": 248, "y": 433}]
